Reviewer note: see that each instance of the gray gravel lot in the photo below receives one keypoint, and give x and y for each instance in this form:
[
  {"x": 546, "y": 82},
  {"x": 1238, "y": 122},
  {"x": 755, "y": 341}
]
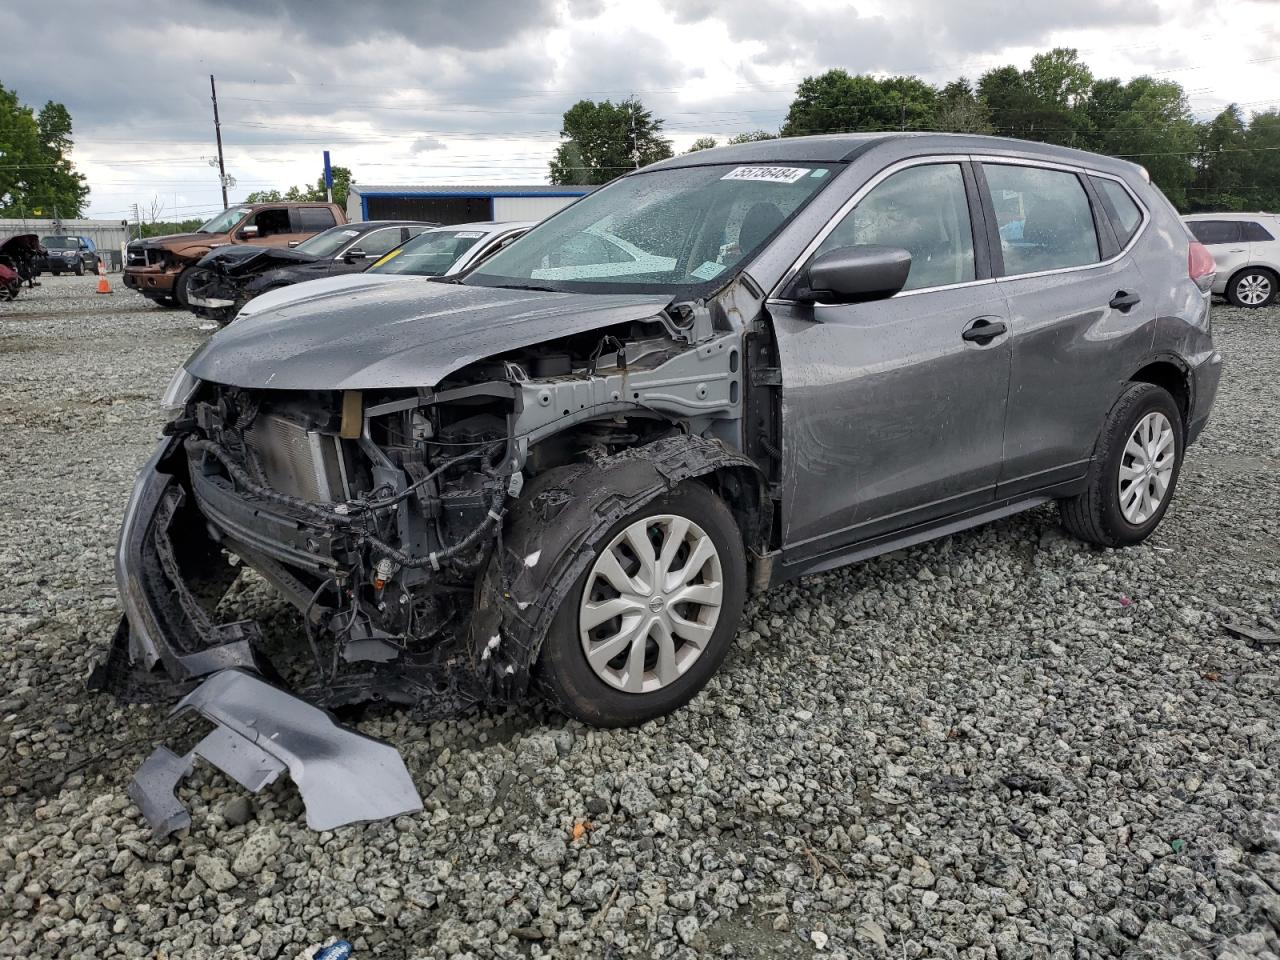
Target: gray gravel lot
[{"x": 1000, "y": 745}]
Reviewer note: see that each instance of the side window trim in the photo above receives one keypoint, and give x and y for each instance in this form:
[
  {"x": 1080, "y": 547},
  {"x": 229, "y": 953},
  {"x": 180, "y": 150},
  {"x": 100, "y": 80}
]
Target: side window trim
[
  {"x": 1082, "y": 174},
  {"x": 983, "y": 264},
  {"x": 1103, "y": 221},
  {"x": 1092, "y": 175}
]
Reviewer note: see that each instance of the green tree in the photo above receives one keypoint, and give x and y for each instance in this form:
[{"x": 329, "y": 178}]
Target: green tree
[
  {"x": 703, "y": 143},
  {"x": 840, "y": 102},
  {"x": 606, "y": 139},
  {"x": 1044, "y": 102},
  {"x": 1147, "y": 121},
  {"x": 37, "y": 177},
  {"x": 752, "y": 136},
  {"x": 312, "y": 193},
  {"x": 1262, "y": 161},
  {"x": 960, "y": 111},
  {"x": 1222, "y": 164}
]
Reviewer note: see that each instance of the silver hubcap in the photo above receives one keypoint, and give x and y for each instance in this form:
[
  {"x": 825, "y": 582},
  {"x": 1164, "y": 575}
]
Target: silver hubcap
[
  {"x": 651, "y": 603},
  {"x": 1254, "y": 289},
  {"x": 1146, "y": 468}
]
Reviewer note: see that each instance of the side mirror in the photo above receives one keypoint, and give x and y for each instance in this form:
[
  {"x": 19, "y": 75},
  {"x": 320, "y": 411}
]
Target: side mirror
[
  {"x": 248, "y": 231},
  {"x": 293, "y": 243},
  {"x": 854, "y": 274},
  {"x": 354, "y": 254}
]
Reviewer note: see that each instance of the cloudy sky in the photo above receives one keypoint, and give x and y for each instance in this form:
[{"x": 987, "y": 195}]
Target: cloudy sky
[{"x": 436, "y": 91}]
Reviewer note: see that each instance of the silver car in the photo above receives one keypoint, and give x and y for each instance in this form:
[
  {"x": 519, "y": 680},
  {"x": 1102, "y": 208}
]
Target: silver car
[
  {"x": 561, "y": 472},
  {"x": 1246, "y": 249}
]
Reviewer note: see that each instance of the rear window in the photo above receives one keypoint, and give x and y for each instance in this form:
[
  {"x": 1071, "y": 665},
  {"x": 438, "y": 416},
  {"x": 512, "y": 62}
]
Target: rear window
[
  {"x": 314, "y": 218},
  {"x": 1124, "y": 213},
  {"x": 1216, "y": 231},
  {"x": 1255, "y": 232},
  {"x": 1044, "y": 216}
]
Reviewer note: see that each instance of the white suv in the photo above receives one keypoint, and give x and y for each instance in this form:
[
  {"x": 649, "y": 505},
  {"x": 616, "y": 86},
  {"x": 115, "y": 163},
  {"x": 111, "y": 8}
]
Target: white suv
[{"x": 1246, "y": 248}]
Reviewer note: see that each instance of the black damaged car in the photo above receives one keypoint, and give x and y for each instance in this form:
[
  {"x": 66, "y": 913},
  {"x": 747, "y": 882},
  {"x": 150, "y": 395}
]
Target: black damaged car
[{"x": 230, "y": 276}]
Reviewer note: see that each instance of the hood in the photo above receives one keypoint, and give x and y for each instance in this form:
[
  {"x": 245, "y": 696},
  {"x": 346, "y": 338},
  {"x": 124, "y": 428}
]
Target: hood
[
  {"x": 397, "y": 332},
  {"x": 239, "y": 259},
  {"x": 171, "y": 241}
]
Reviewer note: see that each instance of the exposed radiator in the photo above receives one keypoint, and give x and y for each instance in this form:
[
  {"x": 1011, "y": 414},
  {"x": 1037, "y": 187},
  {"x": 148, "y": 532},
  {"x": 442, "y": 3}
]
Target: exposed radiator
[{"x": 298, "y": 461}]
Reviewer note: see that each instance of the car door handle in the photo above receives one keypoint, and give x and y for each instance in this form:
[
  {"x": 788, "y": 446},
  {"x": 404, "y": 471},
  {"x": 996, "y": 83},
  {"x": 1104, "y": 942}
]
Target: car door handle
[
  {"x": 982, "y": 331},
  {"x": 1124, "y": 302}
]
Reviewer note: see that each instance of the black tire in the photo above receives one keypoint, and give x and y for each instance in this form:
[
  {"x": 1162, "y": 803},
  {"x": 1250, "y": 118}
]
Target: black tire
[
  {"x": 1257, "y": 275},
  {"x": 80, "y": 269},
  {"x": 1095, "y": 515},
  {"x": 55, "y": 273},
  {"x": 567, "y": 679}
]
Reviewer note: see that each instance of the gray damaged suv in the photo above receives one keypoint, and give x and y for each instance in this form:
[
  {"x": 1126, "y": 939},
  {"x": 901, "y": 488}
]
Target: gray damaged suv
[{"x": 563, "y": 472}]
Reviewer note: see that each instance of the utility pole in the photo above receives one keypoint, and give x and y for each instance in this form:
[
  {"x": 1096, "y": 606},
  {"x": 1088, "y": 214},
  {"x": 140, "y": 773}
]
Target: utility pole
[{"x": 217, "y": 130}]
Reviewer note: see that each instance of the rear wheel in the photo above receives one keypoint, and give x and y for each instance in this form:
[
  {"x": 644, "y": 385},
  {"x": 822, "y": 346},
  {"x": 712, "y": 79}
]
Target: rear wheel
[
  {"x": 1134, "y": 471},
  {"x": 1252, "y": 287},
  {"x": 653, "y": 616}
]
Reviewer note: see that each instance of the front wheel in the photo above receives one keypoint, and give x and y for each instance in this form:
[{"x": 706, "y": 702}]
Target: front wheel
[
  {"x": 653, "y": 616},
  {"x": 1252, "y": 287},
  {"x": 182, "y": 286},
  {"x": 1134, "y": 471},
  {"x": 80, "y": 269}
]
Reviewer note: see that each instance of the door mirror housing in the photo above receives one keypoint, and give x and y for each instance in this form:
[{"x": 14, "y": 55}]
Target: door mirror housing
[
  {"x": 249, "y": 231},
  {"x": 855, "y": 274},
  {"x": 354, "y": 254}
]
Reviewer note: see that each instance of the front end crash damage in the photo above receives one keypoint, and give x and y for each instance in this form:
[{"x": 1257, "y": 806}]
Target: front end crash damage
[
  {"x": 260, "y": 732},
  {"x": 426, "y": 536},
  {"x": 228, "y": 277}
]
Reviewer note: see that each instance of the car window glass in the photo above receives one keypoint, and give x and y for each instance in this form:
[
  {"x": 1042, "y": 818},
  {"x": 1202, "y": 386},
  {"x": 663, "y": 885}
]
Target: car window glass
[
  {"x": 1215, "y": 231},
  {"x": 378, "y": 242},
  {"x": 658, "y": 230},
  {"x": 270, "y": 222},
  {"x": 1044, "y": 218},
  {"x": 923, "y": 210},
  {"x": 1125, "y": 214},
  {"x": 429, "y": 254},
  {"x": 314, "y": 218},
  {"x": 1255, "y": 232}
]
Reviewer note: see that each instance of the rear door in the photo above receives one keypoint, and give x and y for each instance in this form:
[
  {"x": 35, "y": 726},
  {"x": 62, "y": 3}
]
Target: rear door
[
  {"x": 893, "y": 410},
  {"x": 1079, "y": 308},
  {"x": 306, "y": 222}
]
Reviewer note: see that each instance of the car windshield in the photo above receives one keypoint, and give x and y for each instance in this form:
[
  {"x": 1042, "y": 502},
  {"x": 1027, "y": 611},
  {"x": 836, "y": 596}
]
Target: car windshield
[
  {"x": 658, "y": 232},
  {"x": 225, "y": 220},
  {"x": 328, "y": 243},
  {"x": 429, "y": 254},
  {"x": 61, "y": 243}
]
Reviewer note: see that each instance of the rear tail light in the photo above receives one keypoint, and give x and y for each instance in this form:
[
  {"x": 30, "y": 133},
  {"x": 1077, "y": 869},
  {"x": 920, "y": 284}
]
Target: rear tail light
[{"x": 1200, "y": 265}]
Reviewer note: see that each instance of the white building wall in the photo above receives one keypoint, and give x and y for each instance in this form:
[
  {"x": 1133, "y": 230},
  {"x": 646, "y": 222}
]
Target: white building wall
[{"x": 528, "y": 208}]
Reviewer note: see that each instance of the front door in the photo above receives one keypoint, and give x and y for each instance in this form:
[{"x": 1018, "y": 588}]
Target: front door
[{"x": 893, "y": 410}]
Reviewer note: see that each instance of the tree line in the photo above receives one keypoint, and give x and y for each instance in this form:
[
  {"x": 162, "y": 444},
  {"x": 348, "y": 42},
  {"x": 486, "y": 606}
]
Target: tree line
[
  {"x": 1224, "y": 163},
  {"x": 37, "y": 178}
]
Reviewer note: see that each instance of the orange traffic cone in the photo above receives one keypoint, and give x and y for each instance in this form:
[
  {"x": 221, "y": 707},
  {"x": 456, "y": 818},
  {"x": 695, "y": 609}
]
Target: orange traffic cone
[{"x": 103, "y": 285}]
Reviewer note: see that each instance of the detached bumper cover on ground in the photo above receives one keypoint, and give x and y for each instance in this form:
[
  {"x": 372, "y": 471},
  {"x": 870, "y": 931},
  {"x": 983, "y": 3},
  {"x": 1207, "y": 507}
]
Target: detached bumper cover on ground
[{"x": 261, "y": 731}]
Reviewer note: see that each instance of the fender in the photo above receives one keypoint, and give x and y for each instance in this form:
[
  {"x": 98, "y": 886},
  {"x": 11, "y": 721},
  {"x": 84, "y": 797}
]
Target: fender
[{"x": 552, "y": 532}]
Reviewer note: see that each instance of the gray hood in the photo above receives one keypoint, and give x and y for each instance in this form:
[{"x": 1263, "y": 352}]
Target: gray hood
[{"x": 410, "y": 333}]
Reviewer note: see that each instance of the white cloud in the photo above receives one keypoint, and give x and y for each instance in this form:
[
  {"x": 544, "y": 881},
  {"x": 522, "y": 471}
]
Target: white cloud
[{"x": 438, "y": 91}]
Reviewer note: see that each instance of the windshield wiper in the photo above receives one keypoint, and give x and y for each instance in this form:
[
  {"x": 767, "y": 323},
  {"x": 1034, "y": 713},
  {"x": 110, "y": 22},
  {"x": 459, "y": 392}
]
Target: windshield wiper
[{"x": 521, "y": 286}]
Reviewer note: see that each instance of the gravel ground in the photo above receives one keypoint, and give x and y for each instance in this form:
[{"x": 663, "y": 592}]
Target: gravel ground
[{"x": 1000, "y": 745}]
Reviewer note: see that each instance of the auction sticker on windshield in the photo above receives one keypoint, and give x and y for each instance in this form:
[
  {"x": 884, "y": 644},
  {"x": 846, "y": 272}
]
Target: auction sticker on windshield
[{"x": 768, "y": 174}]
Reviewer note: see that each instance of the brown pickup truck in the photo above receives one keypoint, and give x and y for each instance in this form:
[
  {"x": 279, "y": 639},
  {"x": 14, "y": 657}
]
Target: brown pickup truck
[{"x": 157, "y": 267}]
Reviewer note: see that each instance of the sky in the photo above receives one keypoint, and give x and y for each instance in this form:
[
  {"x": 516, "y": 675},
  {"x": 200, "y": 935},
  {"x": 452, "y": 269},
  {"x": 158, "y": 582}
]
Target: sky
[{"x": 436, "y": 91}]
